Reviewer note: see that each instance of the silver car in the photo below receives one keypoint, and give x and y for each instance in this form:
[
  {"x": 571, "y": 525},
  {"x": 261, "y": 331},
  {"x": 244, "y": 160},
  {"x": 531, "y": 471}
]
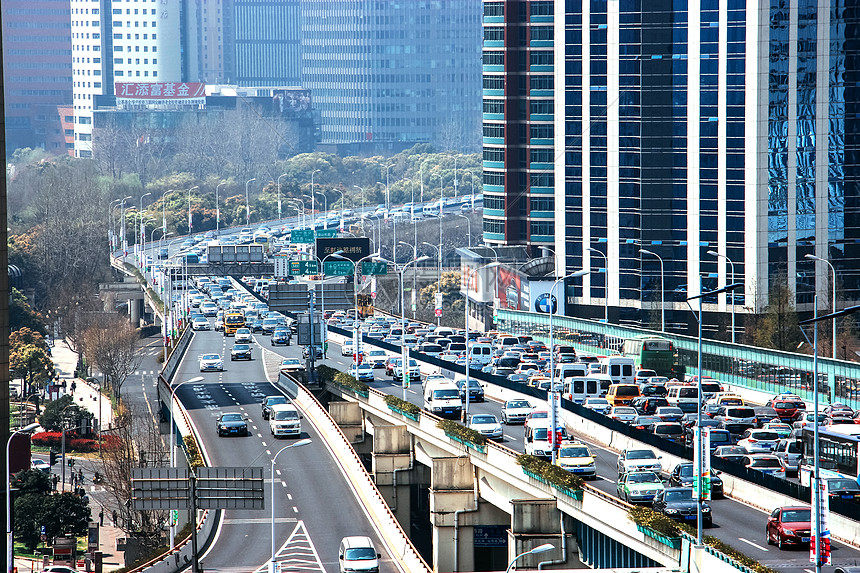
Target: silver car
[{"x": 789, "y": 452}]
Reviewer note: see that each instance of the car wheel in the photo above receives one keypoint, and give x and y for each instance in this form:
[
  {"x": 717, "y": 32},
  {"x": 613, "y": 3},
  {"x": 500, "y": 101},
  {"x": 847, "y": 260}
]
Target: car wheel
[
  {"x": 779, "y": 542},
  {"x": 769, "y": 539}
]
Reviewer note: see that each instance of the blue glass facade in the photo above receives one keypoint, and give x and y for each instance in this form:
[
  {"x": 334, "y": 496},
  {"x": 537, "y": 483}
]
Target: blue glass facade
[{"x": 686, "y": 136}]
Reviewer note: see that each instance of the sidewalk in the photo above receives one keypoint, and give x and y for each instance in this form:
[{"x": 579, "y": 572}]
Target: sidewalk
[{"x": 87, "y": 396}]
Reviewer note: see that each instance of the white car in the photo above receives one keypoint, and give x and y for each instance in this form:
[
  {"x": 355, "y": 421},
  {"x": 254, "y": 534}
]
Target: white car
[
  {"x": 211, "y": 363},
  {"x": 346, "y": 348},
  {"x": 43, "y": 465},
  {"x": 624, "y": 414},
  {"x": 376, "y": 358},
  {"x": 292, "y": 365},
  {"x": 488, "y": 425},
  {"x": 759, "y": 441},
  {"x": 599, "y": 405},
  {"x": 243, "y": 336},
  {"x": 200, "y": 323},
  {"x": 515, "y": 411},
  {"x": 362, "y": 372}
]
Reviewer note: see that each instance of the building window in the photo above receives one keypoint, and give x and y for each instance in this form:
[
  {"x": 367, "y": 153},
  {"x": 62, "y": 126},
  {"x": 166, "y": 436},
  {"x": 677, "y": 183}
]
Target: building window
[
  {"x": 494, "y": 202},
  {"x": 541, "y": 228},
  {"x": 494, "y": 33},
  {"x": 542, "y": 204},
  {"x": 494, "y": 58},
  {"x": 541, "y": 156},
  {"x": 541, "y": 131},
  {"x": 494, "y": 83},
  {"x": 541, "y": 58},
  {"x": 494, "y": 106},
  {"x": 541, "y": 32},
  {"x": 541, "y": 179},
  {"x": 541, "y": 82},
  {"x": 494, "y": 130},
  {"x": 543, "y": 8},
  {"x": 493, "y": 178},
  {"x": 494, "y": 9},
  {"x": 491, "y": 226},
  {"x": 494, "y": 154}
]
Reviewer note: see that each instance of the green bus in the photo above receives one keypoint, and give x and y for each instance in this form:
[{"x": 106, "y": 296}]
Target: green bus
[{"x": 653, "y": 353}]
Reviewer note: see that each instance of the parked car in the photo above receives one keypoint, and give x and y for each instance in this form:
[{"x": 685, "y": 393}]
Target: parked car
[
  {"x": 679, "y": 504},
  {"x": 789, "y": 525},
  {"x": 232, "y": 424},
  {"x": 789, "y": 452},
  {"x": 639, "y": 487}
]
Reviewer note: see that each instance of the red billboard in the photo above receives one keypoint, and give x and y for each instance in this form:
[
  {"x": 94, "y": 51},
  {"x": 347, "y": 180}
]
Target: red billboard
[{"x": 512, "y": 289}]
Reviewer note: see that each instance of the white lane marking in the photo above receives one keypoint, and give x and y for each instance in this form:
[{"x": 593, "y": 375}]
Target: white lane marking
[
  {"x": 255, "y": 427},
  {"x": 269, "y": 453},
  {"x": 283, "y": 484},
  {"x": 295, "y": 509},
  {"x": 756, "y": 545},
  {"x": 809, "y": 571},
  {"x": 276, "y": 471},
  {"x": 265, "y": 445},
  {"x": 511, "y": 438},
  {"x": 289, "y": 495}
]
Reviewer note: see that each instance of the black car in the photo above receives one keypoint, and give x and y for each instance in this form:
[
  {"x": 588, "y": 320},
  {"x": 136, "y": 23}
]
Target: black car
[
  {"x": 647, "y": 405},
  {"x": 281, "y": 336},
  {"x": 306, "y": 352},
  {"x": 270, "y": 401},
  {"x": 654, "y": 390},
  {"x": 678, "y": 503},
  {"x": 764, "y": 414},
  {"x": 232, "y": 424},
  {"x": 671, "y": 431},
  {"x": 730, "y": 453},
  {"x": 255, "y": 324},
  {"x": 240, "y": 352},
  {"x": 682, "y": 476},
  {"x": 843, "y": 488},
  {"x": 476, "y": 391},
  {"x": 706, "y": 423}
]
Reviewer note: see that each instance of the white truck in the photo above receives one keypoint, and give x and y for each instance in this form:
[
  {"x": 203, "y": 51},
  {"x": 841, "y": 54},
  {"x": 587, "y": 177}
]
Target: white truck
[{"x": 442, "y": 397}]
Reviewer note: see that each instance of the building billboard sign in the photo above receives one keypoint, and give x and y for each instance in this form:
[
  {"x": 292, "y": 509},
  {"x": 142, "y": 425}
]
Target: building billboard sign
[
  {"x": 145, "y": 93},
  {"x": 540, "y": 300},
  {"x": 512, "y": 289}
]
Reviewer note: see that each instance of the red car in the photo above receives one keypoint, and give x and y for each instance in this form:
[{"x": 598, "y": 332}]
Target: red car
[
  {"x": 789, "y": 526},
  {"x": 391, "y": 364},
  {"x": 787, "y": 410}
]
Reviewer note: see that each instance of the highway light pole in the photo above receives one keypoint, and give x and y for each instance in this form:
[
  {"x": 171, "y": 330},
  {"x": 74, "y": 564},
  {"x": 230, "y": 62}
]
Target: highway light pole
[
  {"x": 466, "y": 325},
  {"x": 279, "y": 194},
  {"x": 468, "y": 228},
  {"x": 122, "y": 237},
  {"x": 816, "y": 477},
  {"x": 303, "y": 442},
  {"x": 313, "y": 205},
  {"x": 606, "y": 284},
  {"x": 218, "y": 209},
  {"x": 10, "y": 554},
  {"x": 539, "y": 549},
  {"x": 833, "y": 300},
  {"x": 173, "y": 390},
  {"x": 356, "y": 329},
  {"x": 362, "y": 199},
  {"x": 190, "y": 221},
  {"x": 142, "y": 232},
  {"x": 553, "y": 395},
  {"x": 663, "y": 290},
  {"x": 325, "y": 208},
  {"x": 698, "y": 441},
  {"x": 342, "y": 206},
  {"x": 324, "y": 333},
  {"x": 732, "y": 280},
  {"x": 247, "y": 202}
]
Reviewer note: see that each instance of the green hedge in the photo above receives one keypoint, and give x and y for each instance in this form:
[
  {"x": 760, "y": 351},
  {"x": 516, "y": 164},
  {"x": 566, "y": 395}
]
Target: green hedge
[
  {"x": 554, "y": 475},
  {"x": 331, "y": 375},
  {"x": 402, "y": 405},
  {"x": 462, "y": 432}
]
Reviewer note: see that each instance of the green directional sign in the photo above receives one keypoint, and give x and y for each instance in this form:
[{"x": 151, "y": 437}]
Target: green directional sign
[
  {"x": 337, "y": 268},
  {"x": 302, "y": 236},
  {"x": 374, "y": 268},
  {"x": 326, "y": 233},
  {"x": 303, "y": 268}
]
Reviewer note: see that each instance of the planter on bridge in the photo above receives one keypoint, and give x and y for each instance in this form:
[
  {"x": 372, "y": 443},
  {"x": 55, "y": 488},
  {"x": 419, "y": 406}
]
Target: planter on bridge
[
  {"x": 575, "y": 494},
  {"x": 404, "y": 413},
  {"x": 477, "y": 447},
  {"x": 403, "y": 407},
  {"x": 673, "y": 542}
]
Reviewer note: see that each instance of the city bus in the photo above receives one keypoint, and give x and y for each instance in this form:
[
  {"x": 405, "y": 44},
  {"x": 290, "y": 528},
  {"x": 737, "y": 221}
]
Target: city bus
[
  {"x": 838, "y": 448},
  {"x": 652, "y": 353},
  {"x": 232, "y": 322}
]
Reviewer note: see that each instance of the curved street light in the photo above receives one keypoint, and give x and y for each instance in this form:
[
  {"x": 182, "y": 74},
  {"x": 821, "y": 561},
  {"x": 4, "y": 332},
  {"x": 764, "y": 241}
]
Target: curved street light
[
  {"x": 247, "y": 202},
  {"x": 539, "y": 549}
]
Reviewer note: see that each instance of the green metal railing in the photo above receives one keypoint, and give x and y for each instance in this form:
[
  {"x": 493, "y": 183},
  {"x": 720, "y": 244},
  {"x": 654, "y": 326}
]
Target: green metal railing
[{"x": 762, "y": 369}]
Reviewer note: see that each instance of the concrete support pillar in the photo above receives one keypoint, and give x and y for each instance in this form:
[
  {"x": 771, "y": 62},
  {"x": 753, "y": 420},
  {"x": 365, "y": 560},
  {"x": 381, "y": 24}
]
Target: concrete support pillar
[
  {"x": 391, "y": 465},
  {"x": 535, "y": 522},
  {"x": 347, "y": 415},
  {"x": 134, "y": 311}
]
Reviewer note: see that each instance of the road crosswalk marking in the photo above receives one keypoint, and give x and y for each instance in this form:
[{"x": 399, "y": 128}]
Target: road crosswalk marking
[{"x": 296, "y": 554}]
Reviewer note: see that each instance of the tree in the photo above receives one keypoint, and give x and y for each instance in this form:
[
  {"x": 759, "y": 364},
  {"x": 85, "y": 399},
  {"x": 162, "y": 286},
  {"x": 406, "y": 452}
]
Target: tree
[
  {"x": 21, "y": 314},
  {"x": 32, "y": 481},
  {"x": 112, "y": 347},
  {"x": 63, "y": 413},
  {"x": 28, "y": 358},
  {"x": 60, "y": 514},
  {"x": 779, "y": 327},
  {"x": 452, "y": 301}
]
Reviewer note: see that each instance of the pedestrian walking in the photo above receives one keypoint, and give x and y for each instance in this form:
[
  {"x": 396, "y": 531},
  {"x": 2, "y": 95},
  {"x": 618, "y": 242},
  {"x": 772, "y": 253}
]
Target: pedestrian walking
[
  {"x": 81, "y": 477},
  {"x": 73, "y": 386},
  {"x": 102, "y": 517},
  {"x": 114, "y": 518}
]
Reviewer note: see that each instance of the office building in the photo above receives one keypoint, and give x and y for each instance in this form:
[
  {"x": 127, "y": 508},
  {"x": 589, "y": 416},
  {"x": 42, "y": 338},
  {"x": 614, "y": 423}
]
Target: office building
[
  {"x": 261, "y": 41},
  {"x": 679, "y": 128},
  {"x": 389, "y": 74},
  {"x": 37, "y": 73}
]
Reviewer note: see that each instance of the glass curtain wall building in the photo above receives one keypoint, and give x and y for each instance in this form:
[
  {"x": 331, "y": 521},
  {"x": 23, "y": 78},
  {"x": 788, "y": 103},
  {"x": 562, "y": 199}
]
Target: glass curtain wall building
[
  {"x": 683, "y": 127},
  {"x": 390, "y": 74}
]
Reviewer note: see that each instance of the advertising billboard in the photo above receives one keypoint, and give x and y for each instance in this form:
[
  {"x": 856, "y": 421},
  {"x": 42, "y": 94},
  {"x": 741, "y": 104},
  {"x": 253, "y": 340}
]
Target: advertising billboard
[
  {"x": 143, "y": 93},
  {"x": 512, "y": 289},
  {"x": 352, "y": 248},
  {"x": 540, "y": 299}
]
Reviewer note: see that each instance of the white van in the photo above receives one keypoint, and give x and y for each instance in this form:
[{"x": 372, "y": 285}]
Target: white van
[
  {"x": 578, "y": 388},
  {"x": 569, "y": 369},
  {"x": 619, "y": 368},
  {"x": 683, "y": 395},
  {"x": 442, "y": 397},
  {"x": 537, "y": 439},
  {"x": 480, "y": 353},
  {"x": 443, "y": 332},
  {"x": 285, "y": 420}
]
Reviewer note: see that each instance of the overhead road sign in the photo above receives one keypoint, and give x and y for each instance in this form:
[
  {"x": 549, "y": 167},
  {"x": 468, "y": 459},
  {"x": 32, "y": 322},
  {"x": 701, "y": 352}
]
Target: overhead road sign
[
  {"x": 352, "y": 248},
  {"x": 302, "y": 236},
  {"x": 374, "y": 268},
  {"x": 304, "y": 268},
  {"x": 337, "y": 268}
]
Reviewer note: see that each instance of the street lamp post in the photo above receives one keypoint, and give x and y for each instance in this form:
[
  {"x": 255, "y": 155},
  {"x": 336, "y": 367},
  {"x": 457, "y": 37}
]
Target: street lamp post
[
  {"x": 606, "y": 285},
  {"x": 303, "y": 442},
  {"x": 356, "y": 331},
  {"x": 314, "y": 172},
  {"x": 663, "y": 291},
  {"x": 247, "y": 202},
  {"x": 732, "y": 280},
  {"x": 466, "y": 325},
  {"x": 387, "y": 180},
  {"x": 111, "y": 235},
  {"x": 279, "y": 194},
  {"x": 173, "y": 390},
  {"x": 218, "y": 209},
  {"x": 190, "y": 221},
  {"x": 468, "y": 228},
  {"x": 10, "y": 556},
  {"x": 342, "y": 207},
  {"x": 816, "y": 477},
  {"x": 438, "y": 249},
  {"x": 698, "y": 435},
  {"x": 140, "y": 222},
  {"x": 325, "y": 208},
  {"x": 833, "y": 303},
  {"x": 324, "y": 333},
  {"x": 553, "y": 395},
  {"x": 122, "y": 237},
  {"x": 362, "y": 199},
  {"x": 539, "y": 549}
]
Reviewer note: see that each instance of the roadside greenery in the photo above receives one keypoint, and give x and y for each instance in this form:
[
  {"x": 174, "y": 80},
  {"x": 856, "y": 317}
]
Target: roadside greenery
[
  {"x": 36, "y": 507},
  {"x": 402, "y": 405},
  {"x": 462, "y": 432},
  {"x": 331, "y": 375},
  {"x": 554, "y": 475}
]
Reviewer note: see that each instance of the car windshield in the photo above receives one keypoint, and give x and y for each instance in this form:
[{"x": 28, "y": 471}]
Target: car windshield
[
  {"x": 641, "y": 455},
  {"x": 287, "y": 415},
  {"x": 679, "y": 494},
  {"x": 733, "y": 450},
  {"x": 359, "y": 554},
  {"x": 484, "y": 420},
  {"x": 446, "y": 394},
  {"x": 643, "y": 477},
  {"x": 686, "y": 470},
  {"x": 766, "y": 463},
  {"x": 796, "y": 515},
  {"x": 232, "y": 418},
  {"x": 572, "y": 451},
  {"x": 764, "y": 435},
  {"x": 842, "y": 484},
  {"x": 276, "y": 400},
  {"x": 668, "y": 429},
  {"x": 211, "y": 357},
  {"x": 291, "y": 361},
  {"x": 624, "y": 410},
  {"x": 519, "y": 404},
  {"x": 240, "y": 347}
]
